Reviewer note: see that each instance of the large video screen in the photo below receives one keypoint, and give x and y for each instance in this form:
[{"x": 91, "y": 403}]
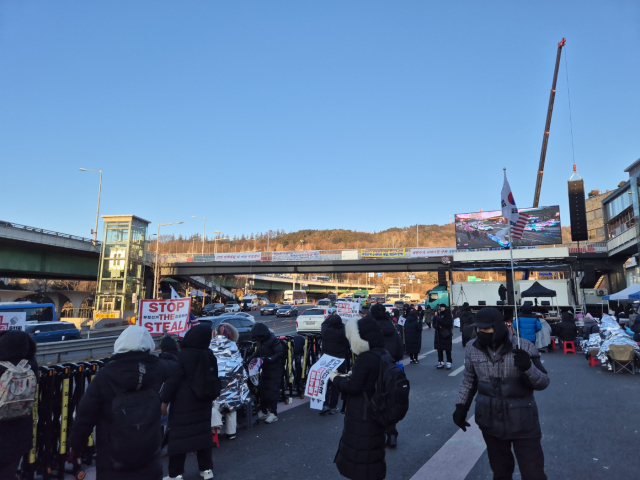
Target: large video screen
[{"x": 491, "y": 230}]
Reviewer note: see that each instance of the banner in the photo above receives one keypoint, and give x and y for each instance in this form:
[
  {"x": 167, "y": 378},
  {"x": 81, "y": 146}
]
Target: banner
[
  {"x": 432, "y": 252},
  {"x": 347, "y": 310},
  {"x": 383, "y": 253},
  {"x": 319, "y": 378},
  {"x": 295, "y": 256},
  {"x": 159, "y": 316},
  {"x": 13, "y": 320},
  {"x": 239, "y": 257}
]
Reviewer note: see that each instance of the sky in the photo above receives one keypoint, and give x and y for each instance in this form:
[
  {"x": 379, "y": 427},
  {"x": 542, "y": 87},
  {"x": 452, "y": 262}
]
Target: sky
[{"x": 289, "y": 115}]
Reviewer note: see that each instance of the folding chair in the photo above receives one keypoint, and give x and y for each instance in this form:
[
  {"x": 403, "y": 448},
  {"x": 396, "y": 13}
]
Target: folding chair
[{"x": 622, "y": 358}]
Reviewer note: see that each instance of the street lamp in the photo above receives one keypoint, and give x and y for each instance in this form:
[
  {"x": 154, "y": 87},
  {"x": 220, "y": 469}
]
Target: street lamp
[
  {"x": 156, "y": 277},
  {"x": 204, "y": 228},
  {"x": 215, "y": 241},
  {"x": 95, "y": 232}
]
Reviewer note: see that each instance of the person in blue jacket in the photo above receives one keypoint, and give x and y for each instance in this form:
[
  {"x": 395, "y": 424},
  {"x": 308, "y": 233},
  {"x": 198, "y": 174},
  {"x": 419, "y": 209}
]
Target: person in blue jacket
[{"x": 528, "y": 324}]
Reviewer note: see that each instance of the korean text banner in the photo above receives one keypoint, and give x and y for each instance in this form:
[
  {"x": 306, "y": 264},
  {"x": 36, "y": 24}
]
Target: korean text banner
[
  {"x": 12, "y": 320},
  {"x": 383, "y": 253},
  {"x": 239, "y": 257},
  {"x": 432, "y": 252},
  {"x": 319, "y": 378},
  {"x": 159, "y": 316},
  {"x": 347, "y": 310},
  {"x": 295, "y": 256}
]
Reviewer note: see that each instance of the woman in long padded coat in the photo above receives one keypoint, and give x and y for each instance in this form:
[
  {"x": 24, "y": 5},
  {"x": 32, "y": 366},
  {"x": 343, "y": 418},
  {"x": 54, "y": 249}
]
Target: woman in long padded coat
[
  {"x": 361, "y": 452},
  {"x": 413, "y": 336},
  {"x": 190, "y": 396},
  {"x": 442, "y": 341}
]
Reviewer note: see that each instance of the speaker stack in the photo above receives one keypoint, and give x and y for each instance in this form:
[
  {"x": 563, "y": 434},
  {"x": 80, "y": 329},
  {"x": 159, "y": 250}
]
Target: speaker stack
[{"x": 578, "y": 211}]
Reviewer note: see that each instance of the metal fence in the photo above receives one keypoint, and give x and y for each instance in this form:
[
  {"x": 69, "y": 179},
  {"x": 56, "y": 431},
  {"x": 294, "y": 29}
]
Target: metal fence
[{"x": 43, "y": 231}]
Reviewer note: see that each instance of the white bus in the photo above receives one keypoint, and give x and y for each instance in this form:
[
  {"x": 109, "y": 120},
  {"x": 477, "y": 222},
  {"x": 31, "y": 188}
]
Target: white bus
[
  {"x": 320, "y": 278},
  {"x": 295, "y": 297}
]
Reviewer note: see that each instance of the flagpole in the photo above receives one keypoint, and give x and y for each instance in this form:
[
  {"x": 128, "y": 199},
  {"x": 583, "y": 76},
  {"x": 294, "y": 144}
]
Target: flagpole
[{"x": 513, "y": 277}]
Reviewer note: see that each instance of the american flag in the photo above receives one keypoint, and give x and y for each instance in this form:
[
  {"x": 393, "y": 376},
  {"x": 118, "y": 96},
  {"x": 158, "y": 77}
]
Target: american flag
[{"x": 517, "y": 228}]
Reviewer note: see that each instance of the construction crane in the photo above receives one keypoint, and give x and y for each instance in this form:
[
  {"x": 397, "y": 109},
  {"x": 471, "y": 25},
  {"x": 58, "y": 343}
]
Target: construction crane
[{"x": 547, "y": 126}]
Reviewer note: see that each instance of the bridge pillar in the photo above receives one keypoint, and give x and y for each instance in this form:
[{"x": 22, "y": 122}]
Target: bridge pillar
[{"x": 76, "y": 298}]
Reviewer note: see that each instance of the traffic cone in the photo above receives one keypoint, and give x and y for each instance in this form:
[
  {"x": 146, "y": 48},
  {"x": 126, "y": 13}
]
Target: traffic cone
[{"x": 274, "y": 325}]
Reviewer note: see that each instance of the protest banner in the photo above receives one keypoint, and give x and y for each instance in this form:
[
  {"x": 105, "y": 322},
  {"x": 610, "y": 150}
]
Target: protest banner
[
  {"x": 432, "y": 252},
  {"x": 295, "y": 256},
  {"x": 239, "y": 257},
  {"x": 159, "y": 316},
  {"x": 372, "y": 253},
  {"x": 347, "y": 310},
  {"x": 319, "y": 378},
  {"x": 13, "y": 320}
]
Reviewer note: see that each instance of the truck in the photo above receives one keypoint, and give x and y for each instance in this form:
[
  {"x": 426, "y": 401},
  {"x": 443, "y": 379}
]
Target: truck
[
  {"x": 249, "y": 302},
  {"x": 436, "y": 296},
  {"x": 295, "y": 297}
]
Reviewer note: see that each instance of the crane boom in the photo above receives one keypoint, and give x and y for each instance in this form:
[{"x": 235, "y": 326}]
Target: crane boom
[{"x": 547, "y": 126}]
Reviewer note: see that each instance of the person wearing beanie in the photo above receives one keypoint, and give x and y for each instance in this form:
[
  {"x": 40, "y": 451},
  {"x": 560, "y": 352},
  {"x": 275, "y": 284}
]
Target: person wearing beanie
[
  {"x": 16, "y": 434},
  {"x": 361, "y": 452},
  {"x": 466, "y": 320},
  {"x": 527, "y": 324},
  {"x": 394, "y": 345},
  {"x": 504, "y": 378},
  {"x": 566, "y": 329},
  {"x": 442, "y": 341},
  {"x": 169, "y": 348}
]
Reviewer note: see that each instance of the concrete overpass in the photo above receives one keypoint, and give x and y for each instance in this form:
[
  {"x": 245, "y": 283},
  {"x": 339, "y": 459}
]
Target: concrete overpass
[
  {"x": 272, "y": 283},
  {"x": 30, "y": 252}
]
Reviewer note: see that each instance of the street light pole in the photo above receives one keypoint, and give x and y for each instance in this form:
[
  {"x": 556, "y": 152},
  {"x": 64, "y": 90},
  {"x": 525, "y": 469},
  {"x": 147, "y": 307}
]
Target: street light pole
[
  {"x": 204, "y": 229},
  {"x": 95, "y": 232},
  {"x": 215, "y": 241},
  {"x": 156, "y": 277},
  {"x": 417, "y": 237}
]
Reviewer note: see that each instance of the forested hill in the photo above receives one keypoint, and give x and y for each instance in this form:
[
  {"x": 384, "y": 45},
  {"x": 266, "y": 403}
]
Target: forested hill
[{"x": 428, "y": 236}]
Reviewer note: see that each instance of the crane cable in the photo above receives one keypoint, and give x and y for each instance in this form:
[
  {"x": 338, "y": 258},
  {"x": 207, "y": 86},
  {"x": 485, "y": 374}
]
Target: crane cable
[{"x": 566, "y": 69}]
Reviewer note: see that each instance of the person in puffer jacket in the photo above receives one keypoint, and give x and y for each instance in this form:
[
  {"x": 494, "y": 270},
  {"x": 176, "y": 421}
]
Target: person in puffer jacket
[{"x": 528, "y": 324}]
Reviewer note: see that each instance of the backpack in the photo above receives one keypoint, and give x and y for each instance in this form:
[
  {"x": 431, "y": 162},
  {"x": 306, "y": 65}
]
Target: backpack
[
  {"x": 390, "y": 401},
  {"x": 17, "y": 390},
  {"x": 134, "y": 431}
]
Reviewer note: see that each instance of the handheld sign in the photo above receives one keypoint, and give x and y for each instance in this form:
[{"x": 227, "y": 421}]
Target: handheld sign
[
  {"x": 159, "y": 316},
  {"x": 319, "y": 378}
]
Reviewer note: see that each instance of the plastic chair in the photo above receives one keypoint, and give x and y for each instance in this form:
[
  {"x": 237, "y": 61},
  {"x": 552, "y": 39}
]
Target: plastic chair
[
  {"x": 593, "y": 361},
  {"x": 569, "y": 347},
  {"x": 553, "y": 343},
  {"x": 216, "y": 440}
]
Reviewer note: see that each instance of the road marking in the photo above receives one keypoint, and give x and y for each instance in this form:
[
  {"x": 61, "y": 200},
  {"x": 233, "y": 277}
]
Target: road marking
[
  {"x": 462, "y": 451},
  {"x": 456, "y": 371}
]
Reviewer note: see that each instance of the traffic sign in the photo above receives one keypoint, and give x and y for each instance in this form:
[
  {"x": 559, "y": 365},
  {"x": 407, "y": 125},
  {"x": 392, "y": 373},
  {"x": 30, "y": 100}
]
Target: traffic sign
[{"x": 446, "y": 260}]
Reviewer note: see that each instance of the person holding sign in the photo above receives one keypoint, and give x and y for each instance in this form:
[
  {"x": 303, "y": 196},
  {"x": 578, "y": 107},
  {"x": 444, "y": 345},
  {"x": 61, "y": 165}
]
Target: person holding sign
[
  {"x": 272, "y": 354},
  {"x": 361, "y": 452},
  {"x": 334, "y": 343}
]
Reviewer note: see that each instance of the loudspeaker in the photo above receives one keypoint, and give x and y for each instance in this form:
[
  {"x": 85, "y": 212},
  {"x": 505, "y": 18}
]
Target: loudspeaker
[
  {"x": 500, "y": 302},
  {"x": 482, "y": 302},
  {"x": 589, "y": 279},
  {"x": 442, "y": 277},
  {"x": 545, "y": 303},
  {"x": 527, "y": 302},
  {"x": 578, "y": 211}
]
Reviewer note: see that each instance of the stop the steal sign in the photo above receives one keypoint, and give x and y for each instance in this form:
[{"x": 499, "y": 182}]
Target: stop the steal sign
[{"x": 159, "y": 316}]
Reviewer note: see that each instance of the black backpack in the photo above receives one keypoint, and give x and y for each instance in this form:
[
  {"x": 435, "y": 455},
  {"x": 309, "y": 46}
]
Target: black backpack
[
  {"x": 390, "y": 401},
  {"x": 134, "y": 431}
]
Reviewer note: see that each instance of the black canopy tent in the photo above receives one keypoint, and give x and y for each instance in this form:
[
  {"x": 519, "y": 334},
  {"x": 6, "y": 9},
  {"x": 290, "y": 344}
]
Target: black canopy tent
[{"x": 538, "y": 290}]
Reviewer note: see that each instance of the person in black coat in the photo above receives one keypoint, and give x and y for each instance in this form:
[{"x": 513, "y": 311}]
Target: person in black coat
[
  {"x": 394, "y": 345},
  {"x": 466, "y": 320},
  {"x": 442, "y": 341},
  {"x": 335, "y": 344},
  {"x": 190, "y": 395},
  {"x": 420, "y": 314},
  {"x": 566, "y": 329},
  {"x": 169, "y": 349},
  {"x": 272, "y": 354},
  {"x": 16, "y": 434},
  {"x": 502, "y": 292},
  {"x": 413, "y": 336},
  {"x": 132, "y": 355},
  {"x": 428, "y": 316},
  {"x": 361, "y": 451}
]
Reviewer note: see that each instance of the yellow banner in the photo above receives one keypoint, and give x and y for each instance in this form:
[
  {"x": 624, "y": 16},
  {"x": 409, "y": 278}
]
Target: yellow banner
[{"x": 99, "y": 315}]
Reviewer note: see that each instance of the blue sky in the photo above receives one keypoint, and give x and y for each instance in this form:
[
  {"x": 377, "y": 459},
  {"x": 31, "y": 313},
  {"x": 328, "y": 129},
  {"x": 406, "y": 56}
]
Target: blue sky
[{"x": 290, "y": 115}]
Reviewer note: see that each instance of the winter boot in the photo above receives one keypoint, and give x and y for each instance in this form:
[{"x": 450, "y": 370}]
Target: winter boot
[
  {"x": 262, "y": 415},
  {"x": 440, "y": 366},
  {"x": 271, "y": 418},
  {"x": 207, "y": 474},
  {"x": 326, "y": 409},
  {"x": 448, "y": 365}
]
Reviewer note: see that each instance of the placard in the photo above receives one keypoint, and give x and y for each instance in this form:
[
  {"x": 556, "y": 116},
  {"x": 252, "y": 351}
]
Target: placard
[
  {"x": 159, "y": 316},
  {"x": 13, "y": 320},
  {"x": 347, "y": 310},
  {"x": 295, "y": 256},
  {"x": 318, "y": 379}
]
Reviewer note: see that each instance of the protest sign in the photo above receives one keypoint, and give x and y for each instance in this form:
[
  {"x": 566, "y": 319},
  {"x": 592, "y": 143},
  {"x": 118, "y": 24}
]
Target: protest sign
[
  {"x": 348, "y": 310},
  {"x": 295, "y": 256},
  {"x": 239, "y": 257},
  {"x": 13, "y": 320},
  {"x": 401, "y": 321},
  {"x": 319, "y": 378},
  {"x": 159, "y": 316}
]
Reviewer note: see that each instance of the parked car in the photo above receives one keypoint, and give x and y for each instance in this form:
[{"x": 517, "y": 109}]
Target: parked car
[
  {"x": 310, "y": 321},
  {"x": 213, "y": 309},
  {"x": 269, "y": 309},
  {"x": 287, "y": 311},
  {"x": 324, "y": 303},
  {"x": 231, "y": 307},
  {"x": 239, "y": 322},
  {"x": 42, "y": 332},
  {"x": 399, "y": 304},
  {"x": 245, "y": 315},
  {"x": 388, "y": 307}
]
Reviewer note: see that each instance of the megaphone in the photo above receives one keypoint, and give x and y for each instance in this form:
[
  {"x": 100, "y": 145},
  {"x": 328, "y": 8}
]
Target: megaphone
[{"x": 228, "y": 331}]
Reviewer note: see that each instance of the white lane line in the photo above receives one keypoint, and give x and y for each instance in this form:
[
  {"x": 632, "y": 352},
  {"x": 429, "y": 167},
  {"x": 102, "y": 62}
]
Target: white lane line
[
  {"x": 456, "y": 458},
  {"x": 456, "y": 371},
  {"x": 457, "y": 339}
]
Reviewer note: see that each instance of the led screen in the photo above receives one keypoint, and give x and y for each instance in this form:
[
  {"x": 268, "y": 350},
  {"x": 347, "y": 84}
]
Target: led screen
[{"x": 490, "y": 229}]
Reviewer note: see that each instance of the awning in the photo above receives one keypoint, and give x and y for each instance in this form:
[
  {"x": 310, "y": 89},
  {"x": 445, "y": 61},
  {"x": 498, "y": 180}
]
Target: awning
[
  {"x": 629, "y": 293},
  {"x": 538, "y": 290}
]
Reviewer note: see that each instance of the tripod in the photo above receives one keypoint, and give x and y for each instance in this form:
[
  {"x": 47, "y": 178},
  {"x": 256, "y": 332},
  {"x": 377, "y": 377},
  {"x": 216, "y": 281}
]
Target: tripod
[{"x": 461, "y": 295}]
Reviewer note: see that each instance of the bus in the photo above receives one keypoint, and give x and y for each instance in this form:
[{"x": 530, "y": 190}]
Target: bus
[
  {"x": 295, "y": 297},
  {"x": 376, "y": 298},
  {"x": 320, "y": 278},
  {"x": 35, "y": 312},
  {"x": 361, "y": 296}
]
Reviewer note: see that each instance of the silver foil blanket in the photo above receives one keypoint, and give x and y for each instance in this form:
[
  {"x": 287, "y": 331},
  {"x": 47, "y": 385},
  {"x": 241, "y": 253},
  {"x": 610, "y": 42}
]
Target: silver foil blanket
[{"x": 232, "y": 374}]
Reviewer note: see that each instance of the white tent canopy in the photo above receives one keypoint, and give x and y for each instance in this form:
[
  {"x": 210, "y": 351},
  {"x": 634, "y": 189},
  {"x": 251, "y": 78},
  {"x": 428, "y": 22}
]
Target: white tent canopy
[{"x": 625, "y": 294}]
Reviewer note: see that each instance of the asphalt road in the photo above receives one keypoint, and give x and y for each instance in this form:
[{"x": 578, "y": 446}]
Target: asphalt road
[
  {"x": 589, "y": 418},
  {"x": 281, "y": 325}
]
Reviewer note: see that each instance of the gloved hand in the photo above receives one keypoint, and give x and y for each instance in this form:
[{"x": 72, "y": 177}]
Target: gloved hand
[
  {"x": 521, "y": 359},
  {"x": 460, "y": 417}
]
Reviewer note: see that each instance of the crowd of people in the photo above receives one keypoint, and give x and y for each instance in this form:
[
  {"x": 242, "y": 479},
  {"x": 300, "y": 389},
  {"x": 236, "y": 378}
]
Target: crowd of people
[{"x": 135, "y": 389}]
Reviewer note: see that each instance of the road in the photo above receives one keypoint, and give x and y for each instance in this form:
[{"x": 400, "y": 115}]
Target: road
[{"x": 283, "y": 325}]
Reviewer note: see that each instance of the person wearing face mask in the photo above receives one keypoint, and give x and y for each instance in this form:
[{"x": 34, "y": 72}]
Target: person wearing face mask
[
  {"x": 442, "y": 341},
  {"x": 504, "y": 378}
]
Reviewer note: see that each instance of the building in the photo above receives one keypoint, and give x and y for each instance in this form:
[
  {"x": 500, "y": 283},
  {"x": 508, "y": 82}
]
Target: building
[{"x": 595, "y": 223}]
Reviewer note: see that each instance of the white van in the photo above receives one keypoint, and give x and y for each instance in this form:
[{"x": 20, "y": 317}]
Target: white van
[{"x": 250, "y": 302}]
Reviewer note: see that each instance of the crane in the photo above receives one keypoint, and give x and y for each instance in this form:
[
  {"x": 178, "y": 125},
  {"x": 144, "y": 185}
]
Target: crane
[{"x": 547, "y": 126}]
